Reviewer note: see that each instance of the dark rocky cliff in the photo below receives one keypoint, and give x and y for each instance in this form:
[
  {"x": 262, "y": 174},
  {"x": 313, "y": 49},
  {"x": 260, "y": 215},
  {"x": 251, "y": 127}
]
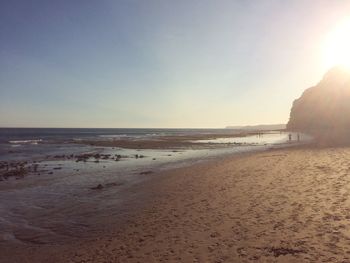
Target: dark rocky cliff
[{"x": 325, "y": 108}]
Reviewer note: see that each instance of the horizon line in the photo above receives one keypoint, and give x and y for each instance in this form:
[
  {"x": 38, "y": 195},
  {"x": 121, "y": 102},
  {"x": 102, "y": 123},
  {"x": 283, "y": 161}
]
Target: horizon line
[{"x": 226, "y": 127}]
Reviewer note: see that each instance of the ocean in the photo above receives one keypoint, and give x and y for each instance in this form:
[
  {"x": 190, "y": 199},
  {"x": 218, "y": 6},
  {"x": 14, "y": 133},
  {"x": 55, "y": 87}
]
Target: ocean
[
  {"x": 26, "y": 143},
  {"x": 33, "y": 135}
]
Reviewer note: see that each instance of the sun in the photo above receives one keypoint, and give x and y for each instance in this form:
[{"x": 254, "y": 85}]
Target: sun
[{"x": 337, "y": 46}]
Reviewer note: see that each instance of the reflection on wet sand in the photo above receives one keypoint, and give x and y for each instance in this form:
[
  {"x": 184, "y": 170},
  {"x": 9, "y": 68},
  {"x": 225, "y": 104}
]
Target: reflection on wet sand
[{"x": 58, "y": 197}]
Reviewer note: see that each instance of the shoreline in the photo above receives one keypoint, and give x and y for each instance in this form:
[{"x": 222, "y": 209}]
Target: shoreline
[
  {"x": 280, "y": 205},
  {"x": 27, "y": 159},
  {"x": 169, "y": 142},
  {"x": 93, "y": 189}
]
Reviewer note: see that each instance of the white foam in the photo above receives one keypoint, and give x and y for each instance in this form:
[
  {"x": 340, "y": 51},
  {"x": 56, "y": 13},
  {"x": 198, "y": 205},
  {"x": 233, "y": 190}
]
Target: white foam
[{"x": 25, "y": 141}]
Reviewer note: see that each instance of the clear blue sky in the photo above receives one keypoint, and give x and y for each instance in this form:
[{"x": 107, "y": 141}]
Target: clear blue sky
[{"x": 183, "y": 63}]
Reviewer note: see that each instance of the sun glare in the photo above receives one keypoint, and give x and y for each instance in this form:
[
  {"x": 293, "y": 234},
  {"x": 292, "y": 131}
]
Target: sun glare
[{"x": 337, "y": 46}]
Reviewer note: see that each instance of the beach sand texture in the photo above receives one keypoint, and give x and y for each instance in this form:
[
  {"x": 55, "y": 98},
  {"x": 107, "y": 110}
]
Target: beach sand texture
[{"x": 288, "y": 205}]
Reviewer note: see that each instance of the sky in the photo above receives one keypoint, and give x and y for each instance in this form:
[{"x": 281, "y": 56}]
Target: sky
[{"x": 159, "y": 63}]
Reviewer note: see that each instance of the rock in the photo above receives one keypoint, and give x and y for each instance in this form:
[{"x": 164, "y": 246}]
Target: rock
[
  {"x": 324, "y": 110},
  {"x": 59, "y": 156},
  {"x": 98, "y": 187},
  {"x": 105, "y": 156},
  {"x": 146, "y": 172},
  {"x": 18, "y": 172},
  {"x": 82, "y": 157}
]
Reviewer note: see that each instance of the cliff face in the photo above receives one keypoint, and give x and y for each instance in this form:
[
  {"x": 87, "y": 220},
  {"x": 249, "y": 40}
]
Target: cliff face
[{"x": 324, "y": 108}]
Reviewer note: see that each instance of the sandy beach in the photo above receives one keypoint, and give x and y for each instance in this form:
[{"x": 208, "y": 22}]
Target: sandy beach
[
  {"x": 174, "y": 131},
  {"x": 287, "y": 205}
]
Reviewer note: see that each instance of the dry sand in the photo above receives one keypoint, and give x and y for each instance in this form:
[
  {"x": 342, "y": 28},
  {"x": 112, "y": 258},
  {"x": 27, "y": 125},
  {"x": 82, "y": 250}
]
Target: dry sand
[{"x": 290, "y": 205}]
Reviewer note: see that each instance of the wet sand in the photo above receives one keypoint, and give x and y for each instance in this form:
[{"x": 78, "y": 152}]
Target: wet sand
[
  {"x": 286, "y": 205},
  {"x": 166, "y": 142}
]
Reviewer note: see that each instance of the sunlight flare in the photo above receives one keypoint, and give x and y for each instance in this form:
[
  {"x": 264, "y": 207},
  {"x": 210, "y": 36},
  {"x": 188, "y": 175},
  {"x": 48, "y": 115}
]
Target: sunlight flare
[{"x": 337, "y": 46}]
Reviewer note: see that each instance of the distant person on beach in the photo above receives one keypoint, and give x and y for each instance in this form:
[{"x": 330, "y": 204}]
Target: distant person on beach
[
  {"x": 290, "y": 137},
  {"x": 298, "y": 137}
]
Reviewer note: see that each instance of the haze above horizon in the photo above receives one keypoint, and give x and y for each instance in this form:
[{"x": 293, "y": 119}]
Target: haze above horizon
[{"x": 164, "y": 64}]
